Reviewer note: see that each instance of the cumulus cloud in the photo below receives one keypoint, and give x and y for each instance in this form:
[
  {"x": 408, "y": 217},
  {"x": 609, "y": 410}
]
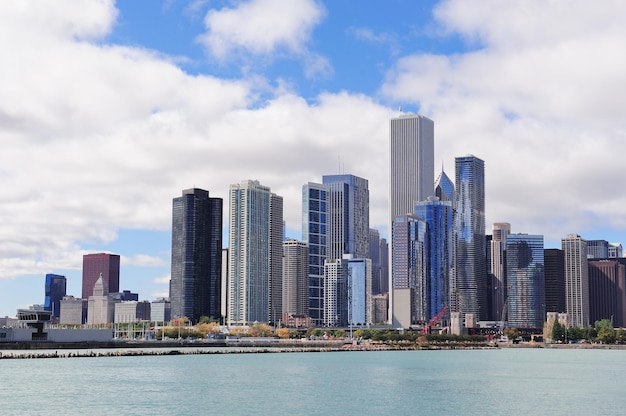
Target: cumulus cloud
[
  {"x": 264, "y": 28},
  {"x": 99, "y": 137},
  {"x": 539, "y": 98}
]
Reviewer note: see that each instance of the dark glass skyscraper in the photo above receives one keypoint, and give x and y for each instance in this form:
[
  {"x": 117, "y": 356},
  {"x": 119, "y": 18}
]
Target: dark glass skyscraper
[
  {"x": 195, "y": 285},
  {"x": 105, "y": 263},
  {"x": 55, "y": 290},
  {"x": 469, "y": 287},
  {"x": 554, "y": 271}
]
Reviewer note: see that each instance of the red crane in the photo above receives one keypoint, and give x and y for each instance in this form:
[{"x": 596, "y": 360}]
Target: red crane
[{"x": 433, "y": 321}]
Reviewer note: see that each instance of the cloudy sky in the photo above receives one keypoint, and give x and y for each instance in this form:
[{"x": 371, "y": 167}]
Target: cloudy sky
[{"x": 108, "y": 110}]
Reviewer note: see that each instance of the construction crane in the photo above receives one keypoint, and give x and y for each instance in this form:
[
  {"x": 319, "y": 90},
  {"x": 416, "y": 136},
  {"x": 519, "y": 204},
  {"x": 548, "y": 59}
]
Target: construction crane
[{"x": 433, "y": 321}]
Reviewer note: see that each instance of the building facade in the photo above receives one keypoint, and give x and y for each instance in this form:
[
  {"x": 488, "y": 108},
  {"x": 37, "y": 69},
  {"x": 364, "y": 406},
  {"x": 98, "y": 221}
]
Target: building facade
[
  {"x": 411, "y": 180},
  {"x": 554, "y": 272},
  {"x": 295, "y": 278},
  {"x": 607, "y": 292},
  {"x": 100, "y": 263},
  {"x": 438, "y": 261},
  {"x": 525, "y": 280},
  {"x": 597, "y": 249},
  {"x": 54, "y": 292},
  {"x": 576, "y": 280},
  {"x": 469, "y": 281},
  {"x": 359, "y": 292},
  {"x": 254, "y": 263},
  {"x": 409, "y": 239},
  {"x": 196, "y": 276},
  {"x": 496, "y": 268}
]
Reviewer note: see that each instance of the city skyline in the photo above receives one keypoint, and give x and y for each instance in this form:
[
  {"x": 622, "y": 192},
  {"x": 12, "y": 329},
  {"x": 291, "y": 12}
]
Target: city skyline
[{"x": 164, "y": 96}]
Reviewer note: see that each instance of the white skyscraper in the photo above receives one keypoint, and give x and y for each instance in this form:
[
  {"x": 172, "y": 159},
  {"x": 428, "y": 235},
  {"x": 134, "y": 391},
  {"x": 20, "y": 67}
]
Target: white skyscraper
[
  {"x": 411, "y": 179},
  {"x": 255, "y": 254},
  {"x": 576, "y": 280},
  {"x": 497, "y": 267}
]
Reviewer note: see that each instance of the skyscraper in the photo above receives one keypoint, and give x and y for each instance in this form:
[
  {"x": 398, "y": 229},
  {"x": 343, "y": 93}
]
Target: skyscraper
[
  {"x": 597, "y": 249},
  {"x": 444, "y": 188},
  {"x": 379, "y": 254},
  {"x": 607, "y": 291},
  {"x": 438, "y": 216},
  {"x": 195, "y": 285},
  {"x": 525, "y": 280},
  {"x": 100, "y": 263},
  {"x": 411, "y": 179},
  {"x": 409, "y": 273},
  {"x": 255, "y": 263},
  {"x": 576, "y": 280},
  {"x": 554, "y": 271},
  {"x": 497, "y": 268},
  {"x": 295, "y": 278},
  {"x": 359, "y": 292},
  {"x": 335, "y": 222},
  {"x": 469, "y": 287},
  {"x": 55, "y": 291}
]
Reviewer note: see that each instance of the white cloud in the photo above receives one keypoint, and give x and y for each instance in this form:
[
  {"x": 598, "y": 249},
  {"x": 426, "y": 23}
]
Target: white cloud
[
  {"x": 264, "y": 28},
  {"x": 162, "y": 280},
  {"x": 99, "y": 137},
  {"x": 539, "y": 99},
  {"x": 144, "y": 260}
]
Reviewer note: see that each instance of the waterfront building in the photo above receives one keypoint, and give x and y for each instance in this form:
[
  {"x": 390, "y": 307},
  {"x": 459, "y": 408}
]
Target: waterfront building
[
  {"x": 359, "y": 292},
  {"x": 105, "y": 264},
  {"x": 469, "y": 279},
  {"x": 196, "y": 269},
  {"x": 496, "y": 268},
  {"x": 525, "y": 280},
  {"x": 132, "y": 311},
  {"x": 380, "y": 308},
  {"x": 54, "y": 291},
  {"x": 411, "y": 180},
  {"x": 597, "y": 249},
  {"x": 335, "y": 222},
  {"x": 73, "y": 311},
  {"x": 335, "y": 312},
  {"x": 161, "y": 310},
  {"x": 100, "y": 306},
  {"x": 554, "y": 271},
  {"x": 255, "y": 254},
  {"x": 576, "y": 280},
  {"x": 409, "y": 272},
  {"x": 438, "y": 261},
  {"x": 607, "y": 291},
  {"x": 295, "y": 277}
]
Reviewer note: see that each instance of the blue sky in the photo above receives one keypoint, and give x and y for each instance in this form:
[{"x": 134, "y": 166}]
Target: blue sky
[{"x": 110, "y": 109}]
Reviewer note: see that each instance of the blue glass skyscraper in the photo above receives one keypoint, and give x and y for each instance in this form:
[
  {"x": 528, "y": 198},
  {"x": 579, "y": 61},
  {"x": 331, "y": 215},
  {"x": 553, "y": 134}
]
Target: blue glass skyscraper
[
  {"x": 525, "y": 281},
  {"x": 55, "y": 290},
  {"x": 438, "y": 216},
  {"x": 469, "y": 280}
]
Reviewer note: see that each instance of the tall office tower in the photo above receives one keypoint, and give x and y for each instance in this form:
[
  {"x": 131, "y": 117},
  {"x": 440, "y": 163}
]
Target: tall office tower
[
  {"x": 554, "y": 272},
  {"x": 607, "y": 291},
  {"x": 497, "y": 268},
  {"x": 597, "y": 249},
  {"x": 525, "y": 280},
  {"x": 335, "y": 306},
  {"x": 315, "y": 199},
  {"x": 348, "y": 216},
  {"x": 224, "y": 295},
  {"x": 409, "y": 273},
  {"x": 615, "y": 250},
  {"x": 576, "y": 280},
  {"x": 254, "y": 264},
  {"x": 335, "y": 221},
  {"x": 438, "y": 216},
  {"x": 411, "y": 178},
  {"x": 100, "y": 263},
  {"x": 444, "y": 188},
  {"x": 379, "y": 254},
  {"x": 196, "y": 280},
  {"x": 469, "y": 288},
  {"x": 55, "y": 291},
  {"x": 295, "y": 278}
]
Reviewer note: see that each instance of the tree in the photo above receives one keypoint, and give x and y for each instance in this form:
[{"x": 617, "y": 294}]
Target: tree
[
  {"x": 207, "y": 328},
  {"x": 620, "y": 336},
  {"x": 511, "y": 333},
  {"x": 606, "y": 332},
  {"x": 283, "y": 333},
  {"x": 339, "y": 333},
  {"x": 558, "y": 332},
  {"x": 260, "y": 330},
  {"x": 575, "y": 333}
]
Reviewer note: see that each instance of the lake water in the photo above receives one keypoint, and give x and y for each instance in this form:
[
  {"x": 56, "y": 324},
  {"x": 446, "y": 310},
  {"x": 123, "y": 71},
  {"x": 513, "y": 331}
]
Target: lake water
[{"x": 461, "y": 382}]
